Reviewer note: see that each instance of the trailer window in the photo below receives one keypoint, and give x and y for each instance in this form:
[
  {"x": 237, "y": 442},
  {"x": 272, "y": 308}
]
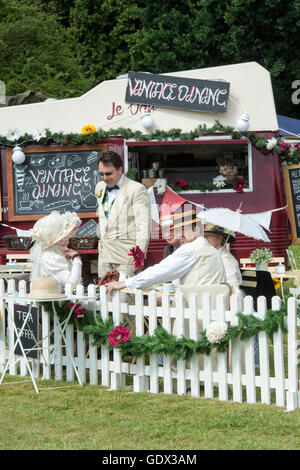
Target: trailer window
[{"x": 206, "y": 166}]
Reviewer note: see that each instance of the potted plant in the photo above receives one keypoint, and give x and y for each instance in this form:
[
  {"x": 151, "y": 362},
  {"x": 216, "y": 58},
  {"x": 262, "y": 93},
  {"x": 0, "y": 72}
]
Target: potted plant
[{"x": 261, "y": 257}]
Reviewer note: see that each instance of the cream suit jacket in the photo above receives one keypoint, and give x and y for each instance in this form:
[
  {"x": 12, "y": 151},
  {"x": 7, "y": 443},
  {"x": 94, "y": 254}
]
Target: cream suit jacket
[{"x": 128, "y": 224}]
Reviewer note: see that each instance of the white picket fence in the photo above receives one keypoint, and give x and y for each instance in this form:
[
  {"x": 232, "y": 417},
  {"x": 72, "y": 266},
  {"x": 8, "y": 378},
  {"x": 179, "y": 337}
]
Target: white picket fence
[{"x": 226, "y": 376}]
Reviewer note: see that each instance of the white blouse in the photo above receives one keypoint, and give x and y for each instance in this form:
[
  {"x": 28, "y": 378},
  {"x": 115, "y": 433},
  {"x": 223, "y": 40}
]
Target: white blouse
[
  {"x": 54, "y": 263},
  {"x": 232, "y": 269}
]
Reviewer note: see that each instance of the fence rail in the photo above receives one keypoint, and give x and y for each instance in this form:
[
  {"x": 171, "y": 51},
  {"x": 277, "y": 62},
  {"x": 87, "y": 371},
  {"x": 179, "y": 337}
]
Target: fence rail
[{"x": 229, "y": 375}]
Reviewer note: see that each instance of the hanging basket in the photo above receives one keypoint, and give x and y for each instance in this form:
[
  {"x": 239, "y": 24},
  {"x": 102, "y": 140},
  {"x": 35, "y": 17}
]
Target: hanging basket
[
  {"x": 89, "y": 242},
  {"x": 13, "y": 242}
]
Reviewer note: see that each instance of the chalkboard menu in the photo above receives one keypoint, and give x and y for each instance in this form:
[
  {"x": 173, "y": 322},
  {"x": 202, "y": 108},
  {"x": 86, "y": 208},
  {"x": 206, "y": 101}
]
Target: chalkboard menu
[
  {"x": 29, "y": 334},
  {"x": 54, "y": 178},
  {"x": 177, "y": 92},
  {"x": 291, "y": 175},
  {"x": 87, "y": 229}
]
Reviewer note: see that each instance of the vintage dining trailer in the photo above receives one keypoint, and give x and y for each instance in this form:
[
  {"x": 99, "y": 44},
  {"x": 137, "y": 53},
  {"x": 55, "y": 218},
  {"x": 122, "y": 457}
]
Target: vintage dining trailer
[{"x": 184, "y": 127}]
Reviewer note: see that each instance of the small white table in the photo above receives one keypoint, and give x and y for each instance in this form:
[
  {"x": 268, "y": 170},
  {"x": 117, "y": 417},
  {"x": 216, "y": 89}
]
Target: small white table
[{"x": 61, "y": 328}]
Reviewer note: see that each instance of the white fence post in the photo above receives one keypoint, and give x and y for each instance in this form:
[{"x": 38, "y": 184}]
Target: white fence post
[
  {"x": 292, "y": 394},
  {"x": 92, "y": 352},
  {"x": 139, "y": 379},
  {"x": 153, "y": 367},
  {"x": 249, "y": 357},
  {"x": 117, "y": 377},
  {"x": 222, "y": 356},
  {"x": 235, "y": 307},
  {"x": 2, "y": 327},
  {"x": 264, "y": 354},
  {"x": 278, "y": 359},
  {"x": 180, "y": 331},
  {"x": 194, "y": 331},
  {"x": 166, "y": 324},
  {"x": 208, "y": 360},
  {"x": 105, "y": 369}
]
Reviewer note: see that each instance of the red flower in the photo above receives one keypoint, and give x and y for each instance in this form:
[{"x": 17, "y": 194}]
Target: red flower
[
  {"x": 240, "y": 184},
  {"x": 138, "y": 256},
  {"x": 181, "y": 183},
  {"x": 119, "y": 334},
  {"x": 78, "y": 312}
]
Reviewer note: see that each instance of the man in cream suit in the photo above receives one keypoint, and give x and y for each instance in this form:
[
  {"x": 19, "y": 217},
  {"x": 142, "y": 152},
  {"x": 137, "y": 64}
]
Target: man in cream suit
[{"x": 124, "y": 216}]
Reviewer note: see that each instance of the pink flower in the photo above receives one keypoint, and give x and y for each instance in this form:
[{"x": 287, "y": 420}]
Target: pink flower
[
  {"x": 138, "y": 256},
  {"x": 181, "y": 183},
  {"x": 283, "y": 146},
  {"x": 77, "y": 312},
  {"x": 119, "y": 334},
  {"x": 240, "y": 184}
]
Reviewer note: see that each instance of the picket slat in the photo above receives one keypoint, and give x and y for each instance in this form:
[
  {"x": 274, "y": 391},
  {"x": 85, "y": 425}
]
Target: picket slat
[
  {"x": 249, "y": 357},
  {"x": 278, "y": 359},
  {"x": 153, "y": 369},
  {"x": 236, "y": 357},
  {"x": 264, "y": 354},
  {"x": 181, "y": 382},
  {"x": 208, "y": 360},
  {"x": 222, "y": 357}
]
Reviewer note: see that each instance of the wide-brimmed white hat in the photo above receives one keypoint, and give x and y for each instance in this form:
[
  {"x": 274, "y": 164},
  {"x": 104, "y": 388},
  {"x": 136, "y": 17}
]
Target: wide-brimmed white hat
[
  {"x": 45, "y": 288},
  {"x": 54, "y": 227}
]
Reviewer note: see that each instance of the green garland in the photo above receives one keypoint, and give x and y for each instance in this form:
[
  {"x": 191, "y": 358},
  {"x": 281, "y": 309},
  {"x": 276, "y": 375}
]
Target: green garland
[
  {"x": 165, "y": 343},
  {"x": 60, "y": 138}
]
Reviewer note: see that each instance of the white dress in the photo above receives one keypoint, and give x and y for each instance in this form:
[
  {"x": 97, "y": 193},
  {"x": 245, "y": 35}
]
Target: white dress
[
  {"x": 52, "y": 262},
  {"x": 232, "y": 269}
]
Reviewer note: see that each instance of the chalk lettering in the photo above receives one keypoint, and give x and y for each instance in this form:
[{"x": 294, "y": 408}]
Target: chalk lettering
[{"x": 177, "y": 92}]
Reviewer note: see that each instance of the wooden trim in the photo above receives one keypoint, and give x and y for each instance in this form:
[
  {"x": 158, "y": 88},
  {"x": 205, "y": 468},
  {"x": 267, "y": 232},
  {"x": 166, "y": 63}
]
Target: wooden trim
[
  {"x": 287, "y": 185},
  {"x": 131, "y": 143}
]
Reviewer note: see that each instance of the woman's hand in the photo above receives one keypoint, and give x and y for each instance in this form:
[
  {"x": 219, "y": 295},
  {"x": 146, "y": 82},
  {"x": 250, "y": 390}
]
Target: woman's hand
[
  {"x": 114, "y": 285},
  {"x": 69, "y": 253}
]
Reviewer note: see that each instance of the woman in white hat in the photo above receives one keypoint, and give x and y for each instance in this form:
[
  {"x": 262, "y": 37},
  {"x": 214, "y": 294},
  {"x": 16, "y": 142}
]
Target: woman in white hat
[
  {"x": 218, "y": 237},
  {"x": 50, "y": 254}
]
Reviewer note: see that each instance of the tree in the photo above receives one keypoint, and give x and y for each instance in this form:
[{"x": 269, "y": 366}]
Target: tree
[{"x": 36, "y": 53}]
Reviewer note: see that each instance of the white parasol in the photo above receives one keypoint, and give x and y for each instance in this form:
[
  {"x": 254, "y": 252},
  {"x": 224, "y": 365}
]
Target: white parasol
[{"x": 235, "y": 221}]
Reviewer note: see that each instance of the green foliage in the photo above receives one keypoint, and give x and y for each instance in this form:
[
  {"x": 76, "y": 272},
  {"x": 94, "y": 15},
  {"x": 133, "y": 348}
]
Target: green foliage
[
  {"x": 36, "y": 53},
  {"x": 261, "y": 255}
]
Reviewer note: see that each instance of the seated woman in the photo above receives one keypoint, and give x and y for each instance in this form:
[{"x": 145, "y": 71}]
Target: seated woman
[
  {"x": 218, "y": 237},
  {"x": 50, "y": 255}
]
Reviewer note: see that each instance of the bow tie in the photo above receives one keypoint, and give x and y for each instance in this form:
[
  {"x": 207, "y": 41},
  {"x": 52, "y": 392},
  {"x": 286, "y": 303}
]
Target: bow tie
[{"x": 109, "y": 189}]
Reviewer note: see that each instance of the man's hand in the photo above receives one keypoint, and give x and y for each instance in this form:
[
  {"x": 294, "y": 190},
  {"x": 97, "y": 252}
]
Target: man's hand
[{"x": 114, "y": 285}]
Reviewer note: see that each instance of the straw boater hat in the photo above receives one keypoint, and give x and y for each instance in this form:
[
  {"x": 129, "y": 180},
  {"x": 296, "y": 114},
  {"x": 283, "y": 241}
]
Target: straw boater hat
[
  {"x": 45, "y": 288},
  {"x": 223, "y": 232},
  {"x": 175, "y": 221},
  {"x": 54, "y": 227}
]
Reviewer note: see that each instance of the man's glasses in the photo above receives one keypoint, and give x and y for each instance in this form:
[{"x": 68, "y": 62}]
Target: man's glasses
[{"x": 107, "y": 173}]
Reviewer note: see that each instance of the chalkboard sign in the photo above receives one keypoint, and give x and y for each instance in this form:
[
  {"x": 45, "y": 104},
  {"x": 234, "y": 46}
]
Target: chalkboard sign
[
  {"x": 89, "y": 228},
  {"x": 291, "y": 175},
  {"x": 29, "y": 334},
  {"x": 54, "y": 178},
  {"x": 177, "y": 92}
]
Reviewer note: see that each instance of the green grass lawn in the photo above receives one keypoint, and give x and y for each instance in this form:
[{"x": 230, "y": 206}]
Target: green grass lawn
[{"x": 94, "y": 418}]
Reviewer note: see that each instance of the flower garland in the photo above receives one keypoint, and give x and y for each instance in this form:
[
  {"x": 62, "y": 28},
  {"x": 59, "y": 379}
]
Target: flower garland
[
  {"x": 216, "y": 336},
  {"x": 289, "y": 152}
]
